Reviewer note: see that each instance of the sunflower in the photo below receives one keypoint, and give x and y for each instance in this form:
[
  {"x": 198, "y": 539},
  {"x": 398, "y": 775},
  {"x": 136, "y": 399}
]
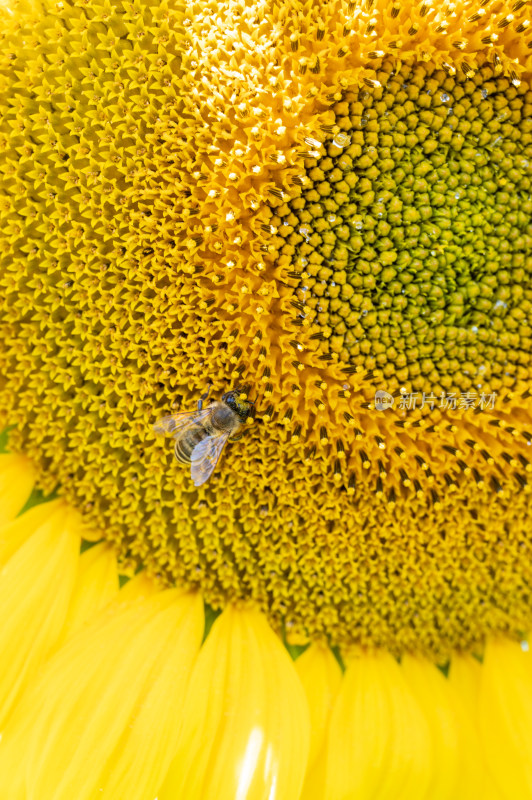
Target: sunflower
[{"x": 326, "y": 208}]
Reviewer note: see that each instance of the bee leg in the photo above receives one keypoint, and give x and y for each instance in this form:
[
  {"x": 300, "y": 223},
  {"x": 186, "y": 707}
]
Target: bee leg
[
  {"x": 204, "y": 397},
  {"x": 236, "y": 438}
]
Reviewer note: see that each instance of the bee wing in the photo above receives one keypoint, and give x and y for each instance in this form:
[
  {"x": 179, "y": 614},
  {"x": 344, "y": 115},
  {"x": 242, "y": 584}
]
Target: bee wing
[
  {"x": 204, "y": 457},
  {"x": 176, "y": 423}
]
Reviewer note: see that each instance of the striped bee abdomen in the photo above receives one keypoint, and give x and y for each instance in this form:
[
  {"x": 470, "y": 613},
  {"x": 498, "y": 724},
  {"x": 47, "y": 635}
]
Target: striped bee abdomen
[{"x": 186, "y": 443}]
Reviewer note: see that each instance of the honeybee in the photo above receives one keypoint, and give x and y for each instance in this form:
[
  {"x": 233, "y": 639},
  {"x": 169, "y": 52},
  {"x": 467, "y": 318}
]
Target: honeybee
[{"x": 200, "y": 435}]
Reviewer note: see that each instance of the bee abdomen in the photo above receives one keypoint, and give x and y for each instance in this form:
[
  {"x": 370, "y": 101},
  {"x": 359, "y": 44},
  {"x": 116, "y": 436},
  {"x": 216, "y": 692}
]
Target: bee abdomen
[{"x": 185, "y": 444}]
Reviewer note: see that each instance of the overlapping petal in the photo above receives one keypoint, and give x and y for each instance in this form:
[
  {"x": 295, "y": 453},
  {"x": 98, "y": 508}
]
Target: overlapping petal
[
  {"x": 476, "y": 780},
  {"x": 246, "y": 729},
  {"x": 124, "y": 708},
  {"x": 380, "y": 746},
  {"x": 96, "y": 585},
  {"x": 110, "y": 701},
  {"x": 505, "y": 715},
  {"x": 17, "y": 476},
  {"x": 320, "y": 675},
  {"x": 39, "y": 567},
  {"x": 439, "y": 706}
]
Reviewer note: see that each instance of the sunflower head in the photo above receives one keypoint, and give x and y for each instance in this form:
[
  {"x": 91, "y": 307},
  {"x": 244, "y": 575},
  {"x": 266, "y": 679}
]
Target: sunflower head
[{"x": 326, "y": 209}]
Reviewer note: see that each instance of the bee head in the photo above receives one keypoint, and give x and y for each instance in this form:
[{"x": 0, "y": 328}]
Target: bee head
[{"x": 240, "y": 407}]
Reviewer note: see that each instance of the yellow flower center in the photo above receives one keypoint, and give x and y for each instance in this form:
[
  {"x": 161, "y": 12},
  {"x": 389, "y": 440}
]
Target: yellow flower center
[{"x": 315, "y": 207}]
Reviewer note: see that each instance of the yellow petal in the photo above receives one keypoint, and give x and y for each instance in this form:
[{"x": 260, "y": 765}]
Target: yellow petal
[
  {"x": 474, "y": 778},
  {"x": 246, "y": 729},
  {"x": 110, "y": 702},
  {"x": 96, "y": 585},
  {"x": 464, "y": 675},
  {"x": 17, "y": 476},
  {"x": 17, "y": 734},
  {"x": 140, "y": 587},
  {"x": 505, "y": 712},
  {"x": 16, "y": 532},
  {"x": 320, "y": 676},
  {"x": 36, "y": 585},
  {"x": 439, "y": 705},
  {"x": 379, "y": 744}
]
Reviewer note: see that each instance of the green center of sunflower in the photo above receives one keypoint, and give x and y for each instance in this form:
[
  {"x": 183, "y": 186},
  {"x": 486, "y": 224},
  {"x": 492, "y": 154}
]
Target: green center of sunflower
[{"x": 413, "y": 227}]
